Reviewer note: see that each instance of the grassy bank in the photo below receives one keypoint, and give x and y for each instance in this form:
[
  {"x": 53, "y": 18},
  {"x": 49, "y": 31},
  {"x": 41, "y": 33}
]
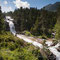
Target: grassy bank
[{"x": 13, "y": 48}]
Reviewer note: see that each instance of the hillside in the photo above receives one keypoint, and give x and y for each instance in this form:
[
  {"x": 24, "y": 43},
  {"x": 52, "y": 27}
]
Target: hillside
[
  {"x": 13, "y": 48},
  {"x": 52, "y": 7}
]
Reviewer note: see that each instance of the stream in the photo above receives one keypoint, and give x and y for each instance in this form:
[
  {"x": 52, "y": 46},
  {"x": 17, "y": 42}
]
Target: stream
[{"x": 26, "y": 39}]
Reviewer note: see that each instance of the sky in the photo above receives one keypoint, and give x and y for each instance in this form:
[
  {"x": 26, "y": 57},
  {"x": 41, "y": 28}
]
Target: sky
[{"x": 11, "y": 5}]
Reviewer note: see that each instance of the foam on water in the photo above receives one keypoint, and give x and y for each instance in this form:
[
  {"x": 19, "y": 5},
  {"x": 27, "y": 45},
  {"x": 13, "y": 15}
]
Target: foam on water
[
  {"x": 55, "y": 51},
  {"x": 26, "y": 39}
]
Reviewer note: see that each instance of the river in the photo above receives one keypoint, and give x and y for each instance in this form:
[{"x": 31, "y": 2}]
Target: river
[{"x": 53, "y": 49}]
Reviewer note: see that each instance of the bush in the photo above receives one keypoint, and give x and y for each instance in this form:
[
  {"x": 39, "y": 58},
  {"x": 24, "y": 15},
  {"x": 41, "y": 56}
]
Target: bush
[
  {"x": 13, "y": 48},
  {"x": 27, "y": 33}
]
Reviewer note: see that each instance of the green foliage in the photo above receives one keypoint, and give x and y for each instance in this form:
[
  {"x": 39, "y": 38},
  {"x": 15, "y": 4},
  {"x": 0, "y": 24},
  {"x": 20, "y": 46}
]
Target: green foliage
[
  {"x": 44, "y": 23},
  {"x": 57, "y": 26},
  {"x": 13, "y": 48},
  {"x": 38, "y": 22},
  {"x": 18, "y": 54},
  {"x": 35, "y": 30},
  {"x": 27, "y": 33},
  {"x": 25, "y": 18},
  {"x": 1, "y": 22}
]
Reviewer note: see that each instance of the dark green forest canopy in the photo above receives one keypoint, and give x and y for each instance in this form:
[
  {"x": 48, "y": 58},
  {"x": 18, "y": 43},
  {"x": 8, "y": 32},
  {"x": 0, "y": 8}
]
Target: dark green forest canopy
[
  {"x": 34, "y": 20},
  {"x": 38, "y": 22}
]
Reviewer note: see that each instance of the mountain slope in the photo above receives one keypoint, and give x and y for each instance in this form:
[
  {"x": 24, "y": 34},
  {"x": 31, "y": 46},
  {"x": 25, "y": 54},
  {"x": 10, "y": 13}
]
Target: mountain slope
[{"x": 52, "y": 7}]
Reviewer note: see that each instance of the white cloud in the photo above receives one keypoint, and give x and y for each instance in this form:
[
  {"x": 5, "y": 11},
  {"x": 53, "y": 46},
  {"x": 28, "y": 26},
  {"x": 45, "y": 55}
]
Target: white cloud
[
  {"x": 20, "y": 3},
  {"x": 5, "y": 2},
  {"x": 7, "y": 9}
]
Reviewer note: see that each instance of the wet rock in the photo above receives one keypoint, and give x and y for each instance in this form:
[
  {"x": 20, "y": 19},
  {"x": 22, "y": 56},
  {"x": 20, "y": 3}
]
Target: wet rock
[
  {"x": 58, "y": 48},
  {"x": 51, "y": 57}
]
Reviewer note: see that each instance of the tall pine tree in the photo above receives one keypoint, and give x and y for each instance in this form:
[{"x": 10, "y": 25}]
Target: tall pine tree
[{"x": 1, "y": 21}]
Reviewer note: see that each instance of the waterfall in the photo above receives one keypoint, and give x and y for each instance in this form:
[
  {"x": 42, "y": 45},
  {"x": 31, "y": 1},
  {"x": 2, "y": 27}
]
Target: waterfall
[
  {"x": 25, "y": 38},
  {"x": 11, "y": 24}
]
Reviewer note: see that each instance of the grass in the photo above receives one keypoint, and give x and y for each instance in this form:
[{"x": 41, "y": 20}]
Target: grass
[{"x": 13, "y": 48}]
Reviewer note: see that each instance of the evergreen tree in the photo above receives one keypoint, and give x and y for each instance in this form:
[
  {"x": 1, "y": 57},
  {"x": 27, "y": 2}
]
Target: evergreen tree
[
  {"x": 34, "y": 30},
  {"x": 39, "y": 22},
  {"x": 1, "y": 21},
  {"x": 57, "y": 26}
]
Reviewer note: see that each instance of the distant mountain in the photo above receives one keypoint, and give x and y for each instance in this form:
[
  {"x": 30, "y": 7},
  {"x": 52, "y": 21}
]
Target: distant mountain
[{"x": 52, "y": 7}]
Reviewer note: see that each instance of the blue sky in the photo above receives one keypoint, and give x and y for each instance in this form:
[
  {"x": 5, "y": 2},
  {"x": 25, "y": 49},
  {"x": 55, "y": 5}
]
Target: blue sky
[{"x": 11, "y": 5}]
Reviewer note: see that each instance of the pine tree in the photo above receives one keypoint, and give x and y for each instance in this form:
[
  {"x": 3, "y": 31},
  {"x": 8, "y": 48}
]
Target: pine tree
[
  {"x": 57, "y": 26},
  {"x": 34, "y": 30},
  {"x": 1, "y": 21}
]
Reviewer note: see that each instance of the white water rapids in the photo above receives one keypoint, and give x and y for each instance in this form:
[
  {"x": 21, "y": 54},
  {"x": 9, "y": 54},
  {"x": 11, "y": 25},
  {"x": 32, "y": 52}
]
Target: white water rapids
[
  {"x": 26, "y": 39},
  {"x": 55, "y": 51}
]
